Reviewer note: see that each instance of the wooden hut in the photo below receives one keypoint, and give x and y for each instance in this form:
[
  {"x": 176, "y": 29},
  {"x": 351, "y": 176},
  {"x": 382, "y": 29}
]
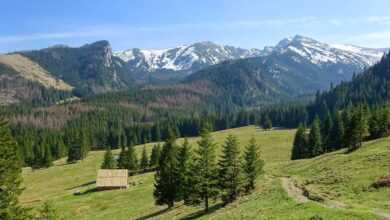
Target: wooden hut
[{"x": 110, "y": 179}]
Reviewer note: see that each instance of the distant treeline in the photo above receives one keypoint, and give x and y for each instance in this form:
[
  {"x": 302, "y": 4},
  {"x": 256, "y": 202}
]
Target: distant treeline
[{"x": 94, "y": 130}]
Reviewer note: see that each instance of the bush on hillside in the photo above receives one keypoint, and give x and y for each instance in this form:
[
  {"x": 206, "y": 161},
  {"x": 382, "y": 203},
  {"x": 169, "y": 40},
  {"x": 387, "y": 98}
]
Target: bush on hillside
[{"x": 383, "y": 181}]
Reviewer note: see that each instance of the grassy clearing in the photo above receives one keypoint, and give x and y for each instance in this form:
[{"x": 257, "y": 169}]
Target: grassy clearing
[{"x": 58, "y": 183}]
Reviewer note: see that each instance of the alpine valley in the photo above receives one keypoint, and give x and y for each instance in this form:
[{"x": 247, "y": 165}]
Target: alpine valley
[
  {"x": 106, "y": 115},
  {"x": 295, "y": 131}
]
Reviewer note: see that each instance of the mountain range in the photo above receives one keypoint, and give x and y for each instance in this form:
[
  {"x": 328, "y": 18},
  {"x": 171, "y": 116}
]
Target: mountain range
[
  {"x": 295, "y": 66},
  {"x": 181, "y": 61}
]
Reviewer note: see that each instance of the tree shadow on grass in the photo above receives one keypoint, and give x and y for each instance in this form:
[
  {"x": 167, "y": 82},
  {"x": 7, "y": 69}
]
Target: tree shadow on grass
[
  {"x": 82, "y": 185},
  {"x": 95, "y": 189},
  {"x": 152, "y": 215},
  {"x": 201, "y": 213}
]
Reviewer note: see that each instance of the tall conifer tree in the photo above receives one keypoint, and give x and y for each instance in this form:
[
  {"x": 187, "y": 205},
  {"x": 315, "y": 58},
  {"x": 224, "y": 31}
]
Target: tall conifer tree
[
  {"x": 184, "y": 158},
  {"x": 300, "y": 144},
  {"x": 144, "y": 164},
  {"x": 166, "y": 190},
  {"x": 10, "y": 176},
  {"x": 108, "y": 162},
  {"x": 315, "y": 140},
  {"x": 252, "y": 165},
  {"x": 230, "y": 179},
  {"x": 337, "y": 133},
  {"x": 155, "y": 156},
  {"x": 204, "y": 172}
]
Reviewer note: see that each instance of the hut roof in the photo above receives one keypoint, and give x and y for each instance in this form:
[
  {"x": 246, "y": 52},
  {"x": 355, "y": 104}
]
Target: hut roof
[{"x": 112, "y": 178}]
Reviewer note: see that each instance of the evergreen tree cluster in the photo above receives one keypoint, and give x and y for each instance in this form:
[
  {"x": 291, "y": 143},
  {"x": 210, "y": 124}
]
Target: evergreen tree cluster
[
  {"x": 347, "y": 128},
  {"x": 198, "y": 176},
  {"x": 129, "y": 160},
  {"x": 39, "y": 146}
]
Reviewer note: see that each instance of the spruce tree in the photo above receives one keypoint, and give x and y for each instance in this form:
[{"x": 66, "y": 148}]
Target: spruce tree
[
  {"x": 144, "y": 164},
  {"x": 48, "y": 159},
  {"x": 300, "y": 144},
  {"x": 326, "y": 129},
  {"x": 10, "y": 176},
  {"x": 346, "y": 117},
  {"x": 184, "y": 158},
  {"x": 74, "y": 152},
  {"x": 132, "y": 159},
  {"x": 108, "y": 162},
  {"x": 358, "y": 129},
  {"x": 337, "y": 133},
  {"x": 375, "y": 125},
  {"x": 204, "y": 172},
  {"x": 85, "y": 145},
  {"x": 252, "y": 165},
  {"x": 158, "y": 132},
  {"x": 229, "y": 167},
  {"x": 166, "y": 177},
  {"x": 315, "y": 140},
  {"x": 155, "y": 156},
  {"x": 123, "y": 159},
  {"x": 384, "y": 114},
  {"x": 267, "y": 123},
  {"x": 78, "y": 147}
]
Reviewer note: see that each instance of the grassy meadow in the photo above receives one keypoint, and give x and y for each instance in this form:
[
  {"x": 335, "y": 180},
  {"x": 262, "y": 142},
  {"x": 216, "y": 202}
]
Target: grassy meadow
[{"x": 335, "y": 176}]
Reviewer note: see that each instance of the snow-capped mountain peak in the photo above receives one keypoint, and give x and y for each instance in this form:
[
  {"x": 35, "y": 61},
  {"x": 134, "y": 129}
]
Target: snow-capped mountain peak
[
  {"x": 183, "y": 58},
  {"x": 323, "y": 53}
]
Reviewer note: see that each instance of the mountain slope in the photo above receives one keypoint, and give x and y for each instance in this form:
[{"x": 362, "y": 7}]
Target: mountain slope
[
  {"x": 372, "y": 87},
  {"x": 32, "y": 71},
  {"x": 242, "y": 82},
  {"x": 91, "y": 69},
  {"x": 23, "y": 80}
]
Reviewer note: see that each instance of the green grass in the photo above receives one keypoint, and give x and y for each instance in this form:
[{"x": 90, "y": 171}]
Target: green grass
[
  {"x": 348, "y": 177},
  {"x": 269, "y": 201}
]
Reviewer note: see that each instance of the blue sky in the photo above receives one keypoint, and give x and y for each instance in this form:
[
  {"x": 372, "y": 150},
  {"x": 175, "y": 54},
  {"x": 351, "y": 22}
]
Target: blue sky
[{"x": 160, "y": 24}]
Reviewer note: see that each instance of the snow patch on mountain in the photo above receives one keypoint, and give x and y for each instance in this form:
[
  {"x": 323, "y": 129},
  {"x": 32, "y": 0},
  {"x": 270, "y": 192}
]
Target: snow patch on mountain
[
  {"x": 322, "y": 53},
  {"x": 184, "y": 57}
]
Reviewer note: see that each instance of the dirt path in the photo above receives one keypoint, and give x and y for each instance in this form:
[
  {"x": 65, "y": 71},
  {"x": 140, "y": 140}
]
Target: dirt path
[
  {"x": 293, "y": 191},
  {"x": 299, "y": 196},
  {"x": 382, "y": 214}
]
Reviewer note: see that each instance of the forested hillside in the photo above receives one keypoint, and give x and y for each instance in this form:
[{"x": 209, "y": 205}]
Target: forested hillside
[
  {"x": 371, "y": 87},
  {"x": 348, "y": 114}
]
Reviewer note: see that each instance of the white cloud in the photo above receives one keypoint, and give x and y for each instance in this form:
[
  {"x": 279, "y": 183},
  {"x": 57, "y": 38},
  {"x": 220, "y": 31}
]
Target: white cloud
[
  {"x": 373, "y": 39},
  {"x": 86, "y": 32},
  {"x": 117, "y": 30}
]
